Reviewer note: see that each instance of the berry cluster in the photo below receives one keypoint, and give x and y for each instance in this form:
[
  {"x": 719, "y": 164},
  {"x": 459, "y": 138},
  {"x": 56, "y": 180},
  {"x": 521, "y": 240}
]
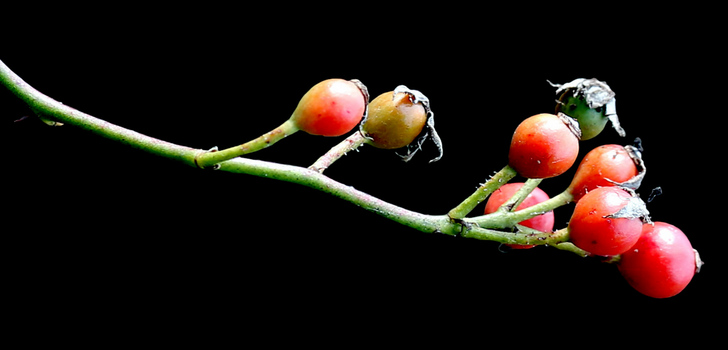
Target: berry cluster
[{"x": 609, "y": 218}]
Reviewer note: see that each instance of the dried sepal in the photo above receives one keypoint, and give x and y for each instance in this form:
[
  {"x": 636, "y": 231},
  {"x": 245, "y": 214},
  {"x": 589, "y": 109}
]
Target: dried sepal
[
  {"x": 428, "y": 132},
  {"x": 634, "y": 183},
  {"x": 635, "y": 208},
  {"x": 365, "y": 94},
  {"x": 571, "y": 123},
  {"x": 698, "y": 262}
]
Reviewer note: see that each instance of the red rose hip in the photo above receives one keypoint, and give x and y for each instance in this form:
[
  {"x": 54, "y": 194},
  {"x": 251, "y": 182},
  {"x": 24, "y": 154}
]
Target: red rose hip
[
  {"x": 600, "y": 226},
  {"x": 332, "y": 107},
  {"x": 543, "y": 146},
  {"x": 661, "y": 263},
  {"x": 602, "y": 167}
]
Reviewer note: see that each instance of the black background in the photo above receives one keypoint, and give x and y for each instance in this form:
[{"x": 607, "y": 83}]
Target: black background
[{"x": 107, "y": 234}]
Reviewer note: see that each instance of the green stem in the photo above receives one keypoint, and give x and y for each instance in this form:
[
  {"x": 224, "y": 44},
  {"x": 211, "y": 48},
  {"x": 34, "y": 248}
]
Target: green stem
[
  {"x": 570, "y": 247},
  {"x": 50, "y": 108},
  {"x": 520, "y": 238},
  {"x": 529, "y": 236},
  {"x": 510, "y": 219},
  {"x": 318, "y": 181},
  {"x": 494, "y": 183},
  {"x": 211, "y": 158},
  {"x": 350, "y": 143},
  {"x": 520, "y": 195}
]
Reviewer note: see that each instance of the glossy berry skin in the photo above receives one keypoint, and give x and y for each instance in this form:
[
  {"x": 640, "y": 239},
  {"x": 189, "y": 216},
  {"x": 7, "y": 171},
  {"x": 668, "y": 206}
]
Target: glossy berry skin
[
  {"x": 543, "y": 146},
  {"x": 591, "y": 228},
  {"x": 543, "y": 222},
  {"x": 591, "y": 120},
  {"x": 604, "y": 163},
  {"x": 661, "y": 263},
  {"x": 332, "y": 107},
  {"x": 394, "y": 121}
]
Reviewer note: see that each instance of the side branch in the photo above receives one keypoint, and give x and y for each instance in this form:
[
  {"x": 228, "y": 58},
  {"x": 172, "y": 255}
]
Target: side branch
[
  {"x": 509, "y": 219},
  {"x": 318, "y": 181},
  {"x": 494, "y": 183},
  {"x": 48, "y": 107}
]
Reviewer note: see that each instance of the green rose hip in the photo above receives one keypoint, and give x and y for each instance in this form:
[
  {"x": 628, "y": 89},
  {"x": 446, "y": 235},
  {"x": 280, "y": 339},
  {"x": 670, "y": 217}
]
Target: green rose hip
[
  {"x": 591, "y": 120},
  {"x": 591, "y": 102}
]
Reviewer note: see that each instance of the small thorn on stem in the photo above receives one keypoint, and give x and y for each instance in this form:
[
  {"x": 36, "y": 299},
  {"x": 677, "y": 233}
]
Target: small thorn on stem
[{"x": 465, "y": 226}]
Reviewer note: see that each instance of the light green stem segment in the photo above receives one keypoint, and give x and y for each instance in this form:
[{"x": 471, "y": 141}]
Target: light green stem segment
[
  {"x": 350, "y": 143},
  {"x": 499, "y": 179},
  {"x": 211, "y": 158},
  {"x": 510, "y": 219},
  {"x": 50, "y": 109},
  {"x": 478, "y": 228},
  {"x": 520, "y": 195}
]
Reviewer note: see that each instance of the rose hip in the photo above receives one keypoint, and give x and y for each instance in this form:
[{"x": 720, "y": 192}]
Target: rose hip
[
  {"x": 543, "y": 146},
  {"x": 661, "y": 263},
  {"x": 603, "y": 166},
  {"x": 332, "y": 107},
  {"x": 597, "y": 226},
  {"x": 394, "y": 120}
]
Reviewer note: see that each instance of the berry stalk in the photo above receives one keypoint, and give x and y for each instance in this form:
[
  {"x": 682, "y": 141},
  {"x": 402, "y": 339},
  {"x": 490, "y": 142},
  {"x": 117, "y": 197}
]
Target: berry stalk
[
  {"x": 520, "y": 195},
  {"x": 350, "y": 143},
  {"x": 494, "y": 183},
  {"x": 500, "y": 220},
  {"x": 332, "y": 107},
  {"x": 211, "y": 158}
]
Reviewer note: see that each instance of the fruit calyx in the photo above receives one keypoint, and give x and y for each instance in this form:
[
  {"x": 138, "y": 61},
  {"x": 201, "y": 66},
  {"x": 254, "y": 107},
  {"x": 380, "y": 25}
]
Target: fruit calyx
[
  {"x": 635, "y": 208},
  {"x": 634, "y": 183},
  {"x": 364, "y": 93},
  {"x": 571, "y": 123}
]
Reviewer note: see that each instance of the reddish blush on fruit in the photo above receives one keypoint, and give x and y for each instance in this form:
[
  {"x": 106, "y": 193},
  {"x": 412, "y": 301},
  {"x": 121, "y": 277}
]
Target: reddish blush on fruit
[
  {"x": 332, "y": 107},
  {"x": 543, "y": 146}
]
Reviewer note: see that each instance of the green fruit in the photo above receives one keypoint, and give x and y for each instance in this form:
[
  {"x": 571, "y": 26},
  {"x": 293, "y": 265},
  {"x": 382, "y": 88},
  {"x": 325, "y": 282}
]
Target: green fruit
[
  {"x": 591, "y": 120},
  {"x": 394, "y": 120}
]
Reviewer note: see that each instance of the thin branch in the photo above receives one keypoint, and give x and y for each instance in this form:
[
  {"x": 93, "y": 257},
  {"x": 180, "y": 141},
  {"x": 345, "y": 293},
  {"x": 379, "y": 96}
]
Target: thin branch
[
  {"x": 212, "y": 158},
  {"x": 520, "y": 195},
  {"x": 509, "y": 219},
  {"x": 47, "y": 107},
  {"x": 356, "y": 140}
]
